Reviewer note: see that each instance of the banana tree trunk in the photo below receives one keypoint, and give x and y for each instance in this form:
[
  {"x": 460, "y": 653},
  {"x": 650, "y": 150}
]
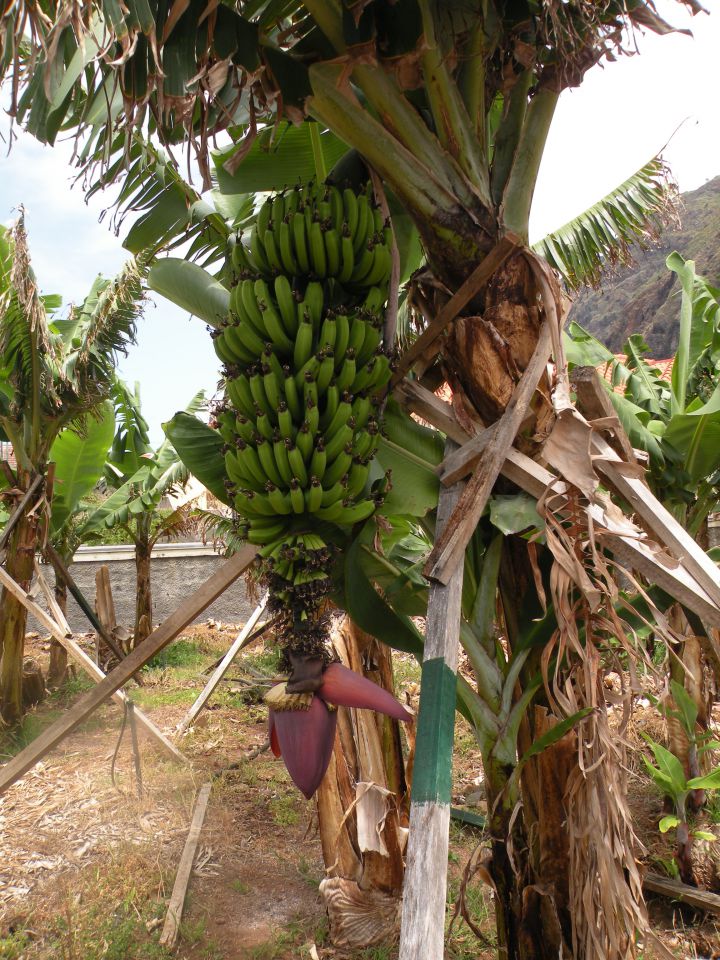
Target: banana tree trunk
[
  {"x": 13, "y": 618},
  {"x": 143, "y": 601},
  {"x": 363, "y": 809}
]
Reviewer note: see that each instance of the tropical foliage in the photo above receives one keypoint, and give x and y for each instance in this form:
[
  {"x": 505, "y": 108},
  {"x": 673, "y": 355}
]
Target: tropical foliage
[
  {"x": 137, "y": 478},
  {"x": 56, "y": 375},
  {"x": 450, "y": 106}
]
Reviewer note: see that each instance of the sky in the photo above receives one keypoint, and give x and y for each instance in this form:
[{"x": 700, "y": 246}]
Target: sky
[{"x": 603, "y": 131}]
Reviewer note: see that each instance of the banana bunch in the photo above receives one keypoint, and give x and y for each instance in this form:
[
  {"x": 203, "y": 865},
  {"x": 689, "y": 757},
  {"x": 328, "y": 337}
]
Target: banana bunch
[
  {"x": 305, "y": 374},
  {"x": 322, "y": 232}
]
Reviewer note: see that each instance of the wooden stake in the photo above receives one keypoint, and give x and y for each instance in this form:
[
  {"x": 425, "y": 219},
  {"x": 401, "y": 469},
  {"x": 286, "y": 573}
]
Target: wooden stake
[
  {"x": 62, "y": 571},
  {"x": 470, "y": 288},
  {"x": 177, "y": 899},
  {"x": 422, "y": 934},
  {"x": 60, "y": 630},
  {"x": 18, "y": 511},
  {"x": 633, "y": 552},
  {"x": 159, "y": 638},
  {"x": 702, "y": 899},
  {"x": 656, "y": 517},
  {"x": 449, "y": 550},
  {"x": 593, "y": 402},
  {"x": 221, "y": 668},
  {"x": 104, "y": 606}
]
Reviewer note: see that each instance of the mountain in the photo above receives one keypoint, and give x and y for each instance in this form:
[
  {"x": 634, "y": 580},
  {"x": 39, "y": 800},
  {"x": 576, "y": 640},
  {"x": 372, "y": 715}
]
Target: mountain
[{"x": 644, "y": 298}]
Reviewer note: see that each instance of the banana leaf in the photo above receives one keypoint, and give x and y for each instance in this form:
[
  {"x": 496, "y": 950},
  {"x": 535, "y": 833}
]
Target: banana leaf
[{"x": 198, "y": 446}]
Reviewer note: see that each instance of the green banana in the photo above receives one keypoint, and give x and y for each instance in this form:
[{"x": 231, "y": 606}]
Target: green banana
[
  {"x": 292, "y": 396},
  {"x": 284, "y": 234},
  {"x": 285, "y": 421},
  {"x": 332, "y": 252},
  {"x": 281, "y": 460},
  {"x": 297, "y": 464},
  {"x": 303, "y": 345},
  {"x": 286, "y": 304},
  {"x": 313, "y": 495},
  {"x": 342, "y": 336},
  {"x": 347, "y": 373},
  {"x": 337, "y": 442},
  {"x": 318, "y": 460},
  {"x": 300, "y": 242},
  {"x": 266, "y": 458},
  {"x": 318, "y": 256},
  {"x": 297, "y": 497},
  {"x": 257, "y": 389},
  {"x": 350, "y": 209},
  {"x": 304, "y": 441},
  {"x": 279, "y": 501}
]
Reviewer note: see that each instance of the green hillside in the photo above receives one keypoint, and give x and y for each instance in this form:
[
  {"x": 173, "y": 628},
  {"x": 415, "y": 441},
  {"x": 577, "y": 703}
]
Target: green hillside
[{"x": 644, "y": 298}]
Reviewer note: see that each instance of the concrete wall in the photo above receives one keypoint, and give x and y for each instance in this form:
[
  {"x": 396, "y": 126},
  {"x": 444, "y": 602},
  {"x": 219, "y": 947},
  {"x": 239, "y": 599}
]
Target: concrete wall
[{"x": 177, "y": 570}]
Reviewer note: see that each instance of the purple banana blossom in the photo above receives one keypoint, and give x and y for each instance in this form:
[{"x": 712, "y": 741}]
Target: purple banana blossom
[{"x": 304, "y": 736}]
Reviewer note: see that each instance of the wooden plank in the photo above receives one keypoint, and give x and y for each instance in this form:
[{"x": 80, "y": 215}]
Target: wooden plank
[
  {"x": 62, "y": 571},
  {"x": 534, "y": 479},
  {"x": 440, "y": 414},
  {"x": 188, "y": 610},
  {"x": 469, "y": 289},
  {"x": 182, "y": 879},
  {"x": 632, "y": 552},
  {"x": 60, "y": 630},
  {"x": 593, "y": 402},
  {"x": 702, "y": 899},
  {"x": 422, "y": 931},
  {"x": 222, "y": 668},
  {"x": 449, "y": 549},
  {"x": 667, "y": 530},
  {"x": 19, "y": 510}
]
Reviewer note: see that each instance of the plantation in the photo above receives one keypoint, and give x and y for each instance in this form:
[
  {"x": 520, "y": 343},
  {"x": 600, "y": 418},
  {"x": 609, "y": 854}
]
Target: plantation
[{"x": 473, "y": 712}]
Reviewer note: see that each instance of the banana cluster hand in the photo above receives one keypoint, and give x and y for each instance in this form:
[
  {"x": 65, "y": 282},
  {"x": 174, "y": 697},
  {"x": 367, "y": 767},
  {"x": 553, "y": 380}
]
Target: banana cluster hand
[{"x": 321, "y": 232}]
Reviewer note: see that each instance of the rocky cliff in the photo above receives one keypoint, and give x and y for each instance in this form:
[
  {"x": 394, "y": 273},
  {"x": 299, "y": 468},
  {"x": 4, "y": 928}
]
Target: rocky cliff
[{"x": 644, "y": 298}]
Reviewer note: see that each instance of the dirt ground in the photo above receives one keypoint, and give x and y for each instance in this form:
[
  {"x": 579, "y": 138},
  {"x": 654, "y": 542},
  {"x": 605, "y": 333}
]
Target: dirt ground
[{"x": 87, "y": 866}]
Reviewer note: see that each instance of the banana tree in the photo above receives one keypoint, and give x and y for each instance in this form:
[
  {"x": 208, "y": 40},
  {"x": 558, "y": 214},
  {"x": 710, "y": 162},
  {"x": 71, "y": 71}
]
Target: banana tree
[
  {"x": 450, "y": 105},
  {"x": 138, "y": 477},
  {"x": 57, "y": 371}
]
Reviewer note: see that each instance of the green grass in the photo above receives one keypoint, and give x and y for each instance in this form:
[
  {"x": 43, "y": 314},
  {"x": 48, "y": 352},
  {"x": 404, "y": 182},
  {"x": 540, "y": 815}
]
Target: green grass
[
  {"x": 267, "y": 660},
  {"x": 147, "y": 697},
  {"x": 284, "y": 811},
  {"x": 239, "y": 886},
  {"x": 31, "y": 726},
  {"x": 72, "y": 688},
  {"x": 182, "y": 653},
  {"x": 13, "y": 946}
]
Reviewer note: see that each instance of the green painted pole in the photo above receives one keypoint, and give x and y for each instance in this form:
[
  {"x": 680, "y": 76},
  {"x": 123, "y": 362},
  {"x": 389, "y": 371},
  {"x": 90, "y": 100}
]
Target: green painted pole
[{"x": 422, "y": 932}]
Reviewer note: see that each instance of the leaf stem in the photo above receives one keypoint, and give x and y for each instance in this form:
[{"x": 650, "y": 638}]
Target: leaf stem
[{"x": 318, "y": 155}]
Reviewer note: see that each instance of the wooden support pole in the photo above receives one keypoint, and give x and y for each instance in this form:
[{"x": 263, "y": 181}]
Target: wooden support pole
[
  {"x": 633, "y": 552},
  {"x": 182, "y": 879},
  {"x": 62, "y": 571},
  {"x": 59, "y": 629},
  {"x": 187, "y": 611},
  {"x": 656, "y": 517},
  {"x": 469, "y": 289},
  {"x": 221, "y": 668},
  {"x": 593, "y": 402},
  {"x": 449, "y": 550},
  {"x": 19, "y": 510},
  {"x": 674, "y": 890},
  {"x": 422, "y": 933}
]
